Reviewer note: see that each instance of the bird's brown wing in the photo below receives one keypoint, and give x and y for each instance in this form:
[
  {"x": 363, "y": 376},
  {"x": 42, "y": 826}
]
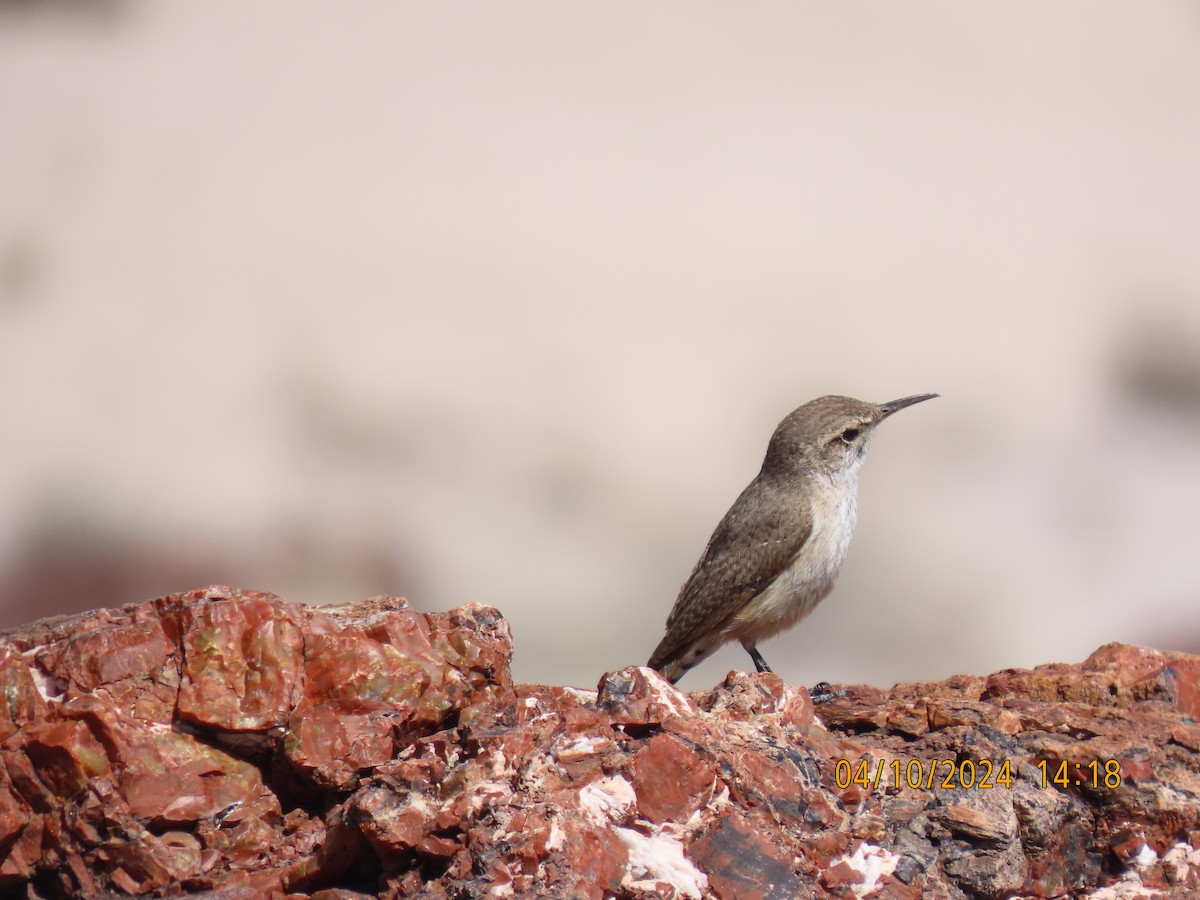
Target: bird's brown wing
[{"x": 758, "y": 538}]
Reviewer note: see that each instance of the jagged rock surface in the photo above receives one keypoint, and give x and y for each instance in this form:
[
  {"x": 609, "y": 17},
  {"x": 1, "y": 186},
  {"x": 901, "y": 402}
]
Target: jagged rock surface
[{"x": 228, "y": 741}]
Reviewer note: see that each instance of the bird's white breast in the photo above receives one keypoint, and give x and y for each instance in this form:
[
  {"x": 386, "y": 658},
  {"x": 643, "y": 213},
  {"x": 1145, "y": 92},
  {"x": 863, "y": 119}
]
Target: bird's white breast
[{"x": 796, "y": 591}]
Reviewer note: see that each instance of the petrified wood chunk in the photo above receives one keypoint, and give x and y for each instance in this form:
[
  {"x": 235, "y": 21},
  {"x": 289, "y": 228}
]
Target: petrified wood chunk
[{"x": 228, "y": 741}]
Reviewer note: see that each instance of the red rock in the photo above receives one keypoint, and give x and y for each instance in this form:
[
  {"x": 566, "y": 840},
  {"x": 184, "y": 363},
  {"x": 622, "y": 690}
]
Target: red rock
[
  {"x": 242, "y": 662},
  {"x": 129, "y": 649},
  {"x": 909, "y": 718},
  {"x": 946, "y": 715},
  {"x": 149, "y": 749},
  {"x": 392, "y": 820},
  {"x": 840, "y": 876},
  {"x": 742, "y": 695},
  {"x": 150, "y": 861},
  {"x": 100, "y": 757},
  {"x": 23, "y": 853},
  {"x": 592, "y": 857},
  {"x": 439, "y": 845},
  {"x": 669, "y": 778},
  {"x": 830, "y": 843},
  {"x": 859, "y": 706},
  {"x": 640, "y": 696},
  {"x": 66, "y": 756},
  {"x": 14, "y": 814},
  {"x": 20, "y": 701},
  {"x": 987, "y": 817},
  {"x": 362, "y": 693}
]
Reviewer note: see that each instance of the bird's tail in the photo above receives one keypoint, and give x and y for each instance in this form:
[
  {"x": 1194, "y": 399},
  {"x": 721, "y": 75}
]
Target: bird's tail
[
  {"x": 668, "y": 665},
  {"x": 672, "y": 659}
]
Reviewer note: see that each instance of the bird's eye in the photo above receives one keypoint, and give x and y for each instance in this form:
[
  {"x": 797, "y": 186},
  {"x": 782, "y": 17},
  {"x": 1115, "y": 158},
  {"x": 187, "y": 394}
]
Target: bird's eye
[{"x": 850, "y": 435}]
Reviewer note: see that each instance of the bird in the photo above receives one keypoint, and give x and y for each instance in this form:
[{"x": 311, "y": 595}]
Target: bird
[{"x": 776, "y": 553}]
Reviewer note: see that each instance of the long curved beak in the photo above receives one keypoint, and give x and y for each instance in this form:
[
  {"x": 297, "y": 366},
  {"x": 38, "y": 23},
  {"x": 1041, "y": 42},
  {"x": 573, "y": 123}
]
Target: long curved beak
[{"x": 896, "y": 405}]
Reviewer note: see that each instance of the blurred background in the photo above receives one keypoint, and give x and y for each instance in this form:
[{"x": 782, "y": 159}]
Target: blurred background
[{"x": 501, "y": 303}]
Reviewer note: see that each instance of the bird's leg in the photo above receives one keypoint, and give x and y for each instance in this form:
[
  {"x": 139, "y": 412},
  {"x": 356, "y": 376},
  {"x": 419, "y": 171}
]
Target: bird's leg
[{"x": 759, "y": 662}]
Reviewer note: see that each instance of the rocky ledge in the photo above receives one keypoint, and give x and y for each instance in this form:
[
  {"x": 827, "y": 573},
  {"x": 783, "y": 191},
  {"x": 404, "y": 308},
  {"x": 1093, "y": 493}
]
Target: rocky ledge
[{"x": 230, "y": 742}]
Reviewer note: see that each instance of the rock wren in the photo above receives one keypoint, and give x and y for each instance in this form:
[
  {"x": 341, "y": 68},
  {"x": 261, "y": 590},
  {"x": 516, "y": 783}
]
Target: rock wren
[{"x": 777, "y": 552}]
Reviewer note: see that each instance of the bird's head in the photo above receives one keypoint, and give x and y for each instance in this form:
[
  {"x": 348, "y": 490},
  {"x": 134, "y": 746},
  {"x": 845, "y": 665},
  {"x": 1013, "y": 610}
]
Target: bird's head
[{"x": 829, "y": 434}]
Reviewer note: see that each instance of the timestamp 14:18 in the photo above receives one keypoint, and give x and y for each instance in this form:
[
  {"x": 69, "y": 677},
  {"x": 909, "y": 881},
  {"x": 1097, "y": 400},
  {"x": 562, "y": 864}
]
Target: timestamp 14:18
[{"x": 1099, "y": 773}]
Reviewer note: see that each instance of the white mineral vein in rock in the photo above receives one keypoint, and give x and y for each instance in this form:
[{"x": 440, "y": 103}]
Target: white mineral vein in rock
[
  {"x": 607, "y": 799},
  {"x": 51, "y": 689},
  {"x": 667, "y": 694},
  {"x": 1179, "y": 860},
  {"x": 1130, "y": 887},
  {"x": 659, "y": 857},
  {"x": 872, "y": 863},
  {"x": 583, "y": 746}
]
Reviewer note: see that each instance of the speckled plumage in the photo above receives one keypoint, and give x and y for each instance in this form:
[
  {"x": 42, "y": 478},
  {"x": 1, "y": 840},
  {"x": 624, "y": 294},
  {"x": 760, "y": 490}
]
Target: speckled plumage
[{"x": 776, "y": 553}]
